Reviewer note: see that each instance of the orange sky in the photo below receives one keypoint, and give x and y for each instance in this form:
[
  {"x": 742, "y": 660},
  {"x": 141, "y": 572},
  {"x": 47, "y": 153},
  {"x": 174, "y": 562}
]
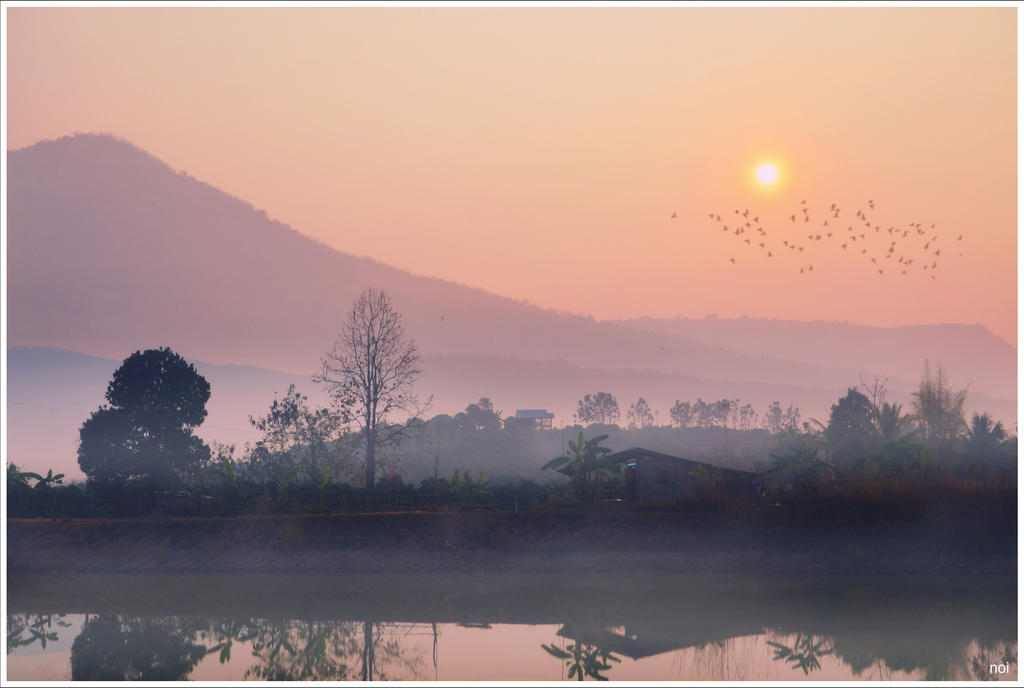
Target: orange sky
[{"x": 537, "y": 153}]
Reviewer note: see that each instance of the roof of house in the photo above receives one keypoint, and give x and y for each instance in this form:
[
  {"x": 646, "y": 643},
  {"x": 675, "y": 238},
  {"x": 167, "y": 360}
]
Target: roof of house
[{"x": 635, "y": 453}]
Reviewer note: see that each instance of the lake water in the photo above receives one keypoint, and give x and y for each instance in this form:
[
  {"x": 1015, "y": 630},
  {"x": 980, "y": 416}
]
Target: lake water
[{"x": 478, "y": 628}]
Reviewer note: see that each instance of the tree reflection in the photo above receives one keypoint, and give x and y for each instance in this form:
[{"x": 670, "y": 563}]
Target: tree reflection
[
  {"x": 168, "y": 649},
  {"x": 112, "y": 648},
  {"x": 982, "y": 662},
  {"x": 327, "y": 651},
  {"x": 805, "y": 652},
  {"x": 302, "y": 650},
  {"x": 24, "y": 630},
  {"x": 583, "y": 659}
]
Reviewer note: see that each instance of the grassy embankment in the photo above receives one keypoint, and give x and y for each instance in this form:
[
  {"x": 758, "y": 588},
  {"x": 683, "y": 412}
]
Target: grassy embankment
[{"x": 958, "y": 533}]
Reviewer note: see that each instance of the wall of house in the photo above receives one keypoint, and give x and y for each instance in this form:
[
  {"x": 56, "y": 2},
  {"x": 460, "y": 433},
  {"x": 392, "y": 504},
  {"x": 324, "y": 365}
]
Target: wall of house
[{"x": 665, "y": 480}]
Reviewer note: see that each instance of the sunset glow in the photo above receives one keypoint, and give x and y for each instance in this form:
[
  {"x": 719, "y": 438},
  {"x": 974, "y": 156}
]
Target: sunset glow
[
  {"x": 571, "y": 143},
  {"x": 510, "y": 342}
]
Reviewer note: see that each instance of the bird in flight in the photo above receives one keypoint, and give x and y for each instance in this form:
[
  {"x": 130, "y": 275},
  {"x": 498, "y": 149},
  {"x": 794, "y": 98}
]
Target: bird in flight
[{"x": 753, "y": 220}]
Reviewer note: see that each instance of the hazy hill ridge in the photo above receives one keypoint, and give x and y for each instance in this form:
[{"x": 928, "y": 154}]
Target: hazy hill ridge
[{"x": 970, "y": 353}]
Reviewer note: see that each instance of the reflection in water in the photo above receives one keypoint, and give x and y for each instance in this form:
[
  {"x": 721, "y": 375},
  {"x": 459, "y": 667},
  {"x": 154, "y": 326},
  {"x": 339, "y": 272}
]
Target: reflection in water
[
  {"x": 112, "y": 647},
  {"x": 583, "y": 660},
  {"x": 995, "y": 655},
  {"x": 24, "y": 630},
  {"x": 805, "y": 653},
  {"x": 245, "y": 627}
]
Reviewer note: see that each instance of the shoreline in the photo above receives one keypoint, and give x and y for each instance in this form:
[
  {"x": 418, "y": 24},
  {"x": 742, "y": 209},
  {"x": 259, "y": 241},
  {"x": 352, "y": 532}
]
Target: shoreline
[{"x": 756, "y": 541}]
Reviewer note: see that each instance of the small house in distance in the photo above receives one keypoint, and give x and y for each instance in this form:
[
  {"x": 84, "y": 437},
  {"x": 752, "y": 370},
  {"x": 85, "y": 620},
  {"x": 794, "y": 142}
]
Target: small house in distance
[
  {"x": 540, "y": 417},
  {"x": 651, "y": 476}
]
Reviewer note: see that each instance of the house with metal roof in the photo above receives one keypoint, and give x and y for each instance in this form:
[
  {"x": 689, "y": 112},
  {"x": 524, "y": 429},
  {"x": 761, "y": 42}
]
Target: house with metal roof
[
  {"x": 541, "y": 418},
  {"x": 651, "y": 476}
]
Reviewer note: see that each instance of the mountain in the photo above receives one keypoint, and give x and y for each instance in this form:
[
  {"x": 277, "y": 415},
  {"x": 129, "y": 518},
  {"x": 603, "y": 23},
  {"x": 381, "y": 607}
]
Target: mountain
[
  {"x": 110, "y": 250},
  {"x": 969, "y": 353}
]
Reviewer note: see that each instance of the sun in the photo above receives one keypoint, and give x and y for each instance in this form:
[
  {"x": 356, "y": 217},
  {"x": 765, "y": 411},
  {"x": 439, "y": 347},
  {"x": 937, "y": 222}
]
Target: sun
[{"x": 767, "y": 174}]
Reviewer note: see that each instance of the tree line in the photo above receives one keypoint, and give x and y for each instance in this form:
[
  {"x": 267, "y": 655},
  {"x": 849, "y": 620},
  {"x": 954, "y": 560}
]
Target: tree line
[
  {"x": 139, "y": 449},
  {"x": 602, "y": 408}
]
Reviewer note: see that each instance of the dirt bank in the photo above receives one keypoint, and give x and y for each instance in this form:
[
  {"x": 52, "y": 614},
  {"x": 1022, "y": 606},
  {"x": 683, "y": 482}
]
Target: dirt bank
[{"x": 758, "y": 540}]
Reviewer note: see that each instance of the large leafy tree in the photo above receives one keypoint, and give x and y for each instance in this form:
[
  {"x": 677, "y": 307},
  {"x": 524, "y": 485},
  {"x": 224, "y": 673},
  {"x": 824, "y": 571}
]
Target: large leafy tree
[
  {"x": 480, "y": 416},
  {"x": 144, "y": 432},
  {"x": 851, "y": 432}
]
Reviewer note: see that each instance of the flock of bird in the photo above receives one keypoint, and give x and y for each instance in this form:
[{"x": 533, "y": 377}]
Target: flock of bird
[{"x": 900, "y": 250}]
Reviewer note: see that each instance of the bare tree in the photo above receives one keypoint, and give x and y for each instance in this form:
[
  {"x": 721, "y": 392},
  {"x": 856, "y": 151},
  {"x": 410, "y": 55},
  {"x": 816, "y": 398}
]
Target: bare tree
[
  {"x": 876, "y": 391},
  {"x": 370, "y": 371}
]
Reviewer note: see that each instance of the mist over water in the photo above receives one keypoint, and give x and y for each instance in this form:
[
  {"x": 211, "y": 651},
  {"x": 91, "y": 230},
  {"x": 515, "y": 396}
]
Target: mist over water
[{"x": 207, "y": 627}]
